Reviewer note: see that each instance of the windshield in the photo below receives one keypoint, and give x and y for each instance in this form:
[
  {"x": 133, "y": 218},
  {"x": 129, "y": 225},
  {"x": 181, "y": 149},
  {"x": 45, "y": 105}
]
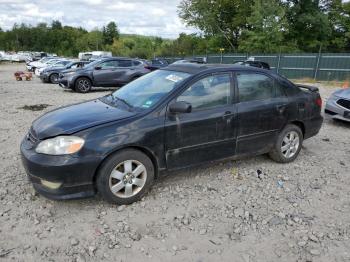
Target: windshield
[
  {"x": 92, "y": 64},
  {"x": 145, "y": 92}
]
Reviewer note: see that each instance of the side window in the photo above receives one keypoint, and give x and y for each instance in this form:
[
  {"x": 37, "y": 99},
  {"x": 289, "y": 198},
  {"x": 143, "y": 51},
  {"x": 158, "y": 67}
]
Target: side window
[
  {"x": 211, "y": 91},
  {"x": 136, "y": 63},
  {"x": 109, "y": 64},
  {"x": 124, "y": 63},
  {"x": 254, "y": 87}
]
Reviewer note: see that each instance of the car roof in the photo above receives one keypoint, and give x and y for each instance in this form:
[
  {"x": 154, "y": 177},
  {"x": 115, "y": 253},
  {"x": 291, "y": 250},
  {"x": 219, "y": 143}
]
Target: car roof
[
  {"x": 194, "y": 68},
  {"x": 117, "y": 58}
]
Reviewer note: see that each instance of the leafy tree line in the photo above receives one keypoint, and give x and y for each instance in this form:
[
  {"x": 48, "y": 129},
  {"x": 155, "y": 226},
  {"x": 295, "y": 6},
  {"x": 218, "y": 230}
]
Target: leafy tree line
[
  {"x": 266, "y": 26},
  {"x": 272, "y": 25}
]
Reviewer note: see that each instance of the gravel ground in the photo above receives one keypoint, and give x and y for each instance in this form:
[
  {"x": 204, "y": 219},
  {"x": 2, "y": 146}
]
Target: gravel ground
[{"x": 218, "y": 212}]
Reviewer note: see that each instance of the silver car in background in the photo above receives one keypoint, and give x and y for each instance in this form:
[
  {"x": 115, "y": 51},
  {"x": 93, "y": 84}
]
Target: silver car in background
[{"x": 338, "y": 105}]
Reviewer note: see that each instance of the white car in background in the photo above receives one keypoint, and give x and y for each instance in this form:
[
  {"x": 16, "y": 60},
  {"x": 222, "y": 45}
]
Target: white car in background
[
  {"x": 21, "y": 57},
  {"x": 99, "y": 54},
  {"x": 31, "y": 66},
  {"x": 51, "y": 63},
  {"x": 338, "y": 105}
]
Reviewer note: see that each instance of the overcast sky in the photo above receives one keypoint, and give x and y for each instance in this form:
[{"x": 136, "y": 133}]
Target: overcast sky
[{"x": 146, "y": 17}]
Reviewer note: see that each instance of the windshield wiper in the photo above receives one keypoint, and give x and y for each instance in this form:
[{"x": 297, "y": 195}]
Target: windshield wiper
[{"x": 122, "y": 100}]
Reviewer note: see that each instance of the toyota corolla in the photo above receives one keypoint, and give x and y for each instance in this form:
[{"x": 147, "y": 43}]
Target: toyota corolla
[{"x": 175, "y": 117}]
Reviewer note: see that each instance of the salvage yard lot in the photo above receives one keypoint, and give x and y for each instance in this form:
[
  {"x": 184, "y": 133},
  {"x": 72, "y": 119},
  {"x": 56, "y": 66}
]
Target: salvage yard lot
[{"x": 220, "y": 211}]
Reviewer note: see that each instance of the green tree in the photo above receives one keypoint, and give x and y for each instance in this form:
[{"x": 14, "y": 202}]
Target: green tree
[
  {"x": 309, "y": 25},
  {"x": 56, "y": 25},
  {"x": 268, "y": 25},
  {"x": 110, "y": 32},
  {"x": 225, "y": 17}
]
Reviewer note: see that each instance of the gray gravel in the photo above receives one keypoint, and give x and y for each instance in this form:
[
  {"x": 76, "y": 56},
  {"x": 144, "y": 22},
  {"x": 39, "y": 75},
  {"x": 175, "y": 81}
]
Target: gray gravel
[{"x": 224, "y": 211}]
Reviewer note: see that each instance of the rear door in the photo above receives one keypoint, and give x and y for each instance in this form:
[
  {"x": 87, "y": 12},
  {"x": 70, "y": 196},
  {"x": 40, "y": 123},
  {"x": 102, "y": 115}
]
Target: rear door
[
  {"x": 262, "y": 111},
  {"x": 208, "y": 132},
  {"x": 124, "y": 71},
  {"x": 107, "y": 74}
]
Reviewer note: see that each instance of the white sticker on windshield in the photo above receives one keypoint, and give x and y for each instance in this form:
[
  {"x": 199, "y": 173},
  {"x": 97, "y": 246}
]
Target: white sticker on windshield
[{"x": 174, "y": 78}]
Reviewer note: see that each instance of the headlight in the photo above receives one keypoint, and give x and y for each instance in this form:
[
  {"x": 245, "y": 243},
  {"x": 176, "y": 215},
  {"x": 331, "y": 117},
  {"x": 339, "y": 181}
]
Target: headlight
[{"x": 61, "y": 145}]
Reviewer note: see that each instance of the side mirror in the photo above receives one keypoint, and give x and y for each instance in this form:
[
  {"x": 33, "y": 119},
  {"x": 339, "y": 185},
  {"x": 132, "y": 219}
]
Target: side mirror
[
  {"x": 180, "y": 107},
  {"x": 98, "y": 68}
]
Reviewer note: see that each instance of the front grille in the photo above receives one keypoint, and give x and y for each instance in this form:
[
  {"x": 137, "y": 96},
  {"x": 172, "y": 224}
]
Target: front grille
[{"x": 344, "y": 103}]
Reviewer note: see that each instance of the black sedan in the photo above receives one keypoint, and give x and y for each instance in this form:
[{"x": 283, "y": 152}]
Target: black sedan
[
  {"x": 50, "y": 74},
  {"x": 172, "y": 118}
]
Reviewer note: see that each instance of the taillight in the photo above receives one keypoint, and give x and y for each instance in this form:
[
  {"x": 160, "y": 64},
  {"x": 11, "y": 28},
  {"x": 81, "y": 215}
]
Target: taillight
[{"x": 319, "y": 101}]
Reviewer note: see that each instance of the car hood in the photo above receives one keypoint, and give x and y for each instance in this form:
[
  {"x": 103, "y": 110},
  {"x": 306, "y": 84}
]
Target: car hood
[
  {"x": 70, "y": 119},
  {"x": 344, "y": 93}
]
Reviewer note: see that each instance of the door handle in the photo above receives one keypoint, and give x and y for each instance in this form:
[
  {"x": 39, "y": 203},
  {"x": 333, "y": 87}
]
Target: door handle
[{"x": 227, "y": 114}]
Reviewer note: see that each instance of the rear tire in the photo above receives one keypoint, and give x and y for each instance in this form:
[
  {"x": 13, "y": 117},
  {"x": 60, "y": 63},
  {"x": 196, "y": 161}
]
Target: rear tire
[
  {"x": 83, "y": 85},
  {"x": 125, "y": 177},
  {"x": 288, "y": 145}
]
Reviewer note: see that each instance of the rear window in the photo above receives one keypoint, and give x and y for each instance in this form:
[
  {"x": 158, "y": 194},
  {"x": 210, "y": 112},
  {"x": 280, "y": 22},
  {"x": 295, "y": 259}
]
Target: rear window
[{"x": 124, "y": 63}]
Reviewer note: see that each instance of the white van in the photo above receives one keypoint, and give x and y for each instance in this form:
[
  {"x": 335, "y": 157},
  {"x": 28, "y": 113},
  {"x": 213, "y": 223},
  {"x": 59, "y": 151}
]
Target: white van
[{"x": 98, "y": 54}]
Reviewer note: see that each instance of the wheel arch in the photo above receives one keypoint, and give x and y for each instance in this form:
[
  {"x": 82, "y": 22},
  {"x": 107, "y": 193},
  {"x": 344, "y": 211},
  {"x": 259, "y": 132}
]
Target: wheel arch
[
  {"x": 83, "y": 76},
  {"x": 299, "y": 124},
  {"x": 144, "y": 150},
  {"x": 54, "y": 72}
]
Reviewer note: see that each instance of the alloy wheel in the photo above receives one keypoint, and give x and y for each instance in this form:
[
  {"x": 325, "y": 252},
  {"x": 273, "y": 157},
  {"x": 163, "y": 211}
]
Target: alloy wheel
[
  {"x": 127, "y": 179},
  {"x": 54, "y": 78},
  {"x": 290, "y": 144},
  {"x": 83, "y": 85}
]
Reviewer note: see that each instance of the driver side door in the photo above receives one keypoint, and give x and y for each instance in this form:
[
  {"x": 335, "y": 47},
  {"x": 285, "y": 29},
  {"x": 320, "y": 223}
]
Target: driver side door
[{"x": 208, "y": 132}]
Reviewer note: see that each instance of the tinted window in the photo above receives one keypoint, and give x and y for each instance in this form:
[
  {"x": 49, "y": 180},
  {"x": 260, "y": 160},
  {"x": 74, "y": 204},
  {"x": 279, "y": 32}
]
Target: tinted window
[
  {"x": 136, "y": 63},
  {"x": 109, "y": 64},
  {"x": 254, "y": 87},
  {"x": 124, "y": 63},
  {"x": 208, "y": 92}
]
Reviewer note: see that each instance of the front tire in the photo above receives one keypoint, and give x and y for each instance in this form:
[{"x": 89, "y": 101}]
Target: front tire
[
  {"x": 53, "y": 78},
  {"x": 287, "y": 145},
  {"x": 125, "y": 177},
  {"x": 83, "y": 85}
]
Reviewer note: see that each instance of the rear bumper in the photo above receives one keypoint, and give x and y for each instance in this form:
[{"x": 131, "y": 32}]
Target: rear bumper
[{"x": 313, "y": 126}]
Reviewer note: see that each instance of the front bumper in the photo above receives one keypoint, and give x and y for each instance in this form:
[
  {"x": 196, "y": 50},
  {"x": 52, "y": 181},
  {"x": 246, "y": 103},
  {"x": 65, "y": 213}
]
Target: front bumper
[
  {"x": 74, "y": 174},
  {"x": 66, "y": 83},
  {"x": 336, "y": 111}
]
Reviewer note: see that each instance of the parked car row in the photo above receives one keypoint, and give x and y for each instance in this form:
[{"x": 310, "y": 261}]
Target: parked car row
[
  {"x": 98, "y": 70},
  {"x": 23, "y": 56}
]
